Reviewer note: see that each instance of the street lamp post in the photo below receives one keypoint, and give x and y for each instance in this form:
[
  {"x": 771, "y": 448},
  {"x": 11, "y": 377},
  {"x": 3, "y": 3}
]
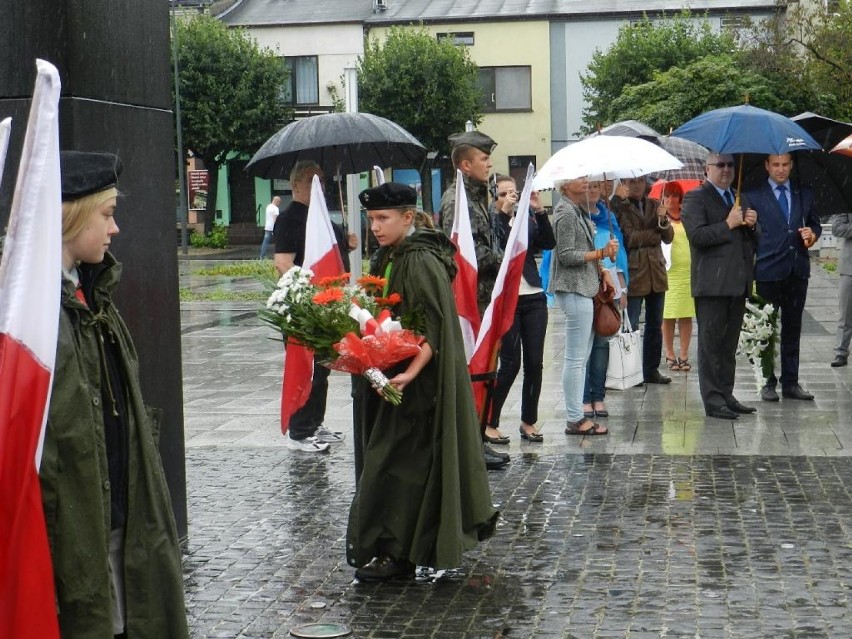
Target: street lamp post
[{"x": 182, "y": 205}]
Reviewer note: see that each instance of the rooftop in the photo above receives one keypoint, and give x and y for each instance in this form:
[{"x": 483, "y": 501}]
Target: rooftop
[{"x": 298, "y": 12}]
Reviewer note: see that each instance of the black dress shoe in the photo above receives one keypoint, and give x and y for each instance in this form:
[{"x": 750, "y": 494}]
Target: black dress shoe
[
  {"x": 796, "y": 392},
  {"x": 768, "y": 394},
  {"x": 742, "y": 409},
  {"x": 657, "y": 378},
  {"x": 385, "y": 568},
  {"x": 839, "y": 360},
  {"x": 534, "y": 436},
  {"x": 722, "y": 412},
  {"x": 493, "y": 459},
  {"x": 497, "y": 440}
]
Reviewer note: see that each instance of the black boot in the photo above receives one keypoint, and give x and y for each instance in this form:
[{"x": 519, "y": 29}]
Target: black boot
[{"x": 385, "y": 568}]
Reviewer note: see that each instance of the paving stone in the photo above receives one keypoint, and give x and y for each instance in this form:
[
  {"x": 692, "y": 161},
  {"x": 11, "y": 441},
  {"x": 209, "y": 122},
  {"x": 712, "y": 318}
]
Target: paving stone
[{"x": 675, "y": 525}]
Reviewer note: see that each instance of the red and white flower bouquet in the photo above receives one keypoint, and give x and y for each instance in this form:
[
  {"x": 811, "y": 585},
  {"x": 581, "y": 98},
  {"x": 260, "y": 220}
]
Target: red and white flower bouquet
[{"x": 350, "y": 328}]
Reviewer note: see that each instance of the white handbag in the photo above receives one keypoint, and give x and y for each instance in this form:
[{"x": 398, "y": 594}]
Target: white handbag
[{"x": 625, "y": 357}]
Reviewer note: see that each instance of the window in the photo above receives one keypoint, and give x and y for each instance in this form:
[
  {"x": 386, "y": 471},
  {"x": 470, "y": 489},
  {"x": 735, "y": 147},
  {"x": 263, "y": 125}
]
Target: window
[
  {"x": 518, "y": 165},
  {"x": 505, "y": 88},
  {"x": 734, "y": 23},
  {"x": 302, "y": 87},
  {"x": 464, "y": 38}
]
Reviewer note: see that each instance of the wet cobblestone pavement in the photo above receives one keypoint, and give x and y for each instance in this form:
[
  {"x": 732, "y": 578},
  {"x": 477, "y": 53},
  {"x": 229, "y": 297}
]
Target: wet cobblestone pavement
[{"x": 674, "y": 525}]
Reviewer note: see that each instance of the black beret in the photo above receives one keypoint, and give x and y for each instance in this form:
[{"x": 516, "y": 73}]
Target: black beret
[
  {"x": 390, "y": 195},
  {"x": 475, "y": 139},
  {"x": 87, "y": 172}
]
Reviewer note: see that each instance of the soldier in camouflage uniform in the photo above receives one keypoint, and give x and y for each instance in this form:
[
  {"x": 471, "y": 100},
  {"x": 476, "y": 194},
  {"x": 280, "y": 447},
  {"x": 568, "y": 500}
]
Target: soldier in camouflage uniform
[{"x": 471, "y": 155}]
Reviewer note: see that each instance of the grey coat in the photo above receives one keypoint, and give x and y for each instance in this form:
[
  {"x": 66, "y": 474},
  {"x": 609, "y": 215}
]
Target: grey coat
[
  {"x": 569, "y": 271},
  {"x": 841, "y": 226}
]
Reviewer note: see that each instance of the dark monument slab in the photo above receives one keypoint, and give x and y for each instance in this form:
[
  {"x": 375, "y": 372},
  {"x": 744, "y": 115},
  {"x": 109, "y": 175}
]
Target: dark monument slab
[{"x": 113, "y": 61}]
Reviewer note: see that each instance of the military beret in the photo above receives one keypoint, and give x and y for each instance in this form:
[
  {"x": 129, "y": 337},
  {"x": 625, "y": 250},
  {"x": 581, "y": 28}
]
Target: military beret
[
  {"x": 475, "y": 139},
  {"x": 390, "y": 195},
  {"x": 87, "y": 172}
]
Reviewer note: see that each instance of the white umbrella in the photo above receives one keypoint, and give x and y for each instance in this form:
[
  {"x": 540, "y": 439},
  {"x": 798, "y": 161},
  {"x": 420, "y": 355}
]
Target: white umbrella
[{"x": 612, "y": 155}]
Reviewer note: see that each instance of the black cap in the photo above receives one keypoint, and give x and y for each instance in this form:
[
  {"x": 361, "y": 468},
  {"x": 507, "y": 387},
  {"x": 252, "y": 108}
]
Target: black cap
[
  {"x": 87, "y": 172},
  {"x": 390, "y": 195},
  {"x": 475, "y": 139}
]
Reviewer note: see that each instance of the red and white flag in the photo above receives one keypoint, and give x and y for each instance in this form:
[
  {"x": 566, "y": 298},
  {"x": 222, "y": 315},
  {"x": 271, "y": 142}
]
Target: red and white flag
[
  {"x": 500, "y": 313},
  {"x": 322, "y": 256},
  {"x": 30, "y": 281},
  {"x": 464, "y": 285}
]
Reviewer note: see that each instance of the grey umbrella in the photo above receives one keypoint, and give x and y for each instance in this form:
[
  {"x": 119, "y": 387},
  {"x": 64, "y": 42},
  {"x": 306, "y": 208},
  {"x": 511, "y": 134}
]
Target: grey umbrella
[
  {"x": 692, "y": 155},
  {"x": 630, "y": 129},
  {"x": 341, "y": 143}
]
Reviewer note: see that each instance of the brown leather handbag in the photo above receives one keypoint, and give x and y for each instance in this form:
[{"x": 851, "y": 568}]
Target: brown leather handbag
[{"x": 606, "y": 320}]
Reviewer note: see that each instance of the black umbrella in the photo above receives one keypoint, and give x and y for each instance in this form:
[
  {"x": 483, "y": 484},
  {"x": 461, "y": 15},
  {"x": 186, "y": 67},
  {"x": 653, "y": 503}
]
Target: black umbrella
[
  {"x": 341, "y": 143},
  {"x": 828, "y": 174},
  {"x": 824, "y": 130}
]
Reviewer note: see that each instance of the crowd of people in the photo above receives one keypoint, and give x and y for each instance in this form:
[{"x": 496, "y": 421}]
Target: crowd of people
[
  {"x": 681, "y": 256},
  {"x": 422, "y": 493}
]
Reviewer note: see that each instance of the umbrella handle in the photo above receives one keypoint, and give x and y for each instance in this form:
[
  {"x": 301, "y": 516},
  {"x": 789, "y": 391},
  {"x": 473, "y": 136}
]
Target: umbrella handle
[
  {"x": 739, "y": 182},
  {"x": 342, "y": 210}
]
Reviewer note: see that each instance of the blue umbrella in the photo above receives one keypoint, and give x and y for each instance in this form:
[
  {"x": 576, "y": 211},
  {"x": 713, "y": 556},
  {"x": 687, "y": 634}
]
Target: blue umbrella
[{"x": 746, "y": 129}]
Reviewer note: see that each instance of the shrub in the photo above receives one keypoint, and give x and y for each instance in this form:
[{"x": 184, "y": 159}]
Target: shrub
[{"x": 216, "y": 238}]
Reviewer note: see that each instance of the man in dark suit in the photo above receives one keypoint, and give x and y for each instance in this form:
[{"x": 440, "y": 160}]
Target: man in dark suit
[
  {"x": 789, "y": 226},
  {"x": 722, "y": 238}
]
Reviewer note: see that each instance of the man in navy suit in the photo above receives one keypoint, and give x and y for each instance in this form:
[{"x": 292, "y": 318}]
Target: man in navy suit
[
  {"x": 722, "y": 239},
  {"x": 789, "y": 226}
]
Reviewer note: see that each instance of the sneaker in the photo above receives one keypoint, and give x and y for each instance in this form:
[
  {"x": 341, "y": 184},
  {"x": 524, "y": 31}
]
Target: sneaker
[
  {"x": 307, "y": 445},
  {"x": 326, "y": 436}
]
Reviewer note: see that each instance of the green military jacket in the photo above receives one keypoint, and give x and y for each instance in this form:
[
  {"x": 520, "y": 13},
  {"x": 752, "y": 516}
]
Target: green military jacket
[
  {"x": 487, "y": 255},
  {"x": 76, "y": 489}
]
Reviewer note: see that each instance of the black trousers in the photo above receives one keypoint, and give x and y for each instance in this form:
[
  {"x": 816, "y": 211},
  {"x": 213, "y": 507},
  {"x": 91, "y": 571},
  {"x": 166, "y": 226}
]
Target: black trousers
[
  {"x": 308, "y": 418},
  {"x": 523, "y": 342},
  {"x": 789, "y": 296},
  {"x": 719, "y": 322}
]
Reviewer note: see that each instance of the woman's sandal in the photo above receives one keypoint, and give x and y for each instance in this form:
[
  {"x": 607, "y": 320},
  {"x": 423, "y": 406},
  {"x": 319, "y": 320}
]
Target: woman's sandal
[
  {"x": 684, "y": 364},
  {"x": 534, "y": 436},
  {"x": 575, "y": 428},
  {"x": 673, "y": 364}
]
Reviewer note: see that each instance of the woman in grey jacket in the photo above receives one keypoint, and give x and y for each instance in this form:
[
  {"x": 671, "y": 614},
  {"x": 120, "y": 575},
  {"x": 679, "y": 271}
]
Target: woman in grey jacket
[{"x": 574, "y": 278}]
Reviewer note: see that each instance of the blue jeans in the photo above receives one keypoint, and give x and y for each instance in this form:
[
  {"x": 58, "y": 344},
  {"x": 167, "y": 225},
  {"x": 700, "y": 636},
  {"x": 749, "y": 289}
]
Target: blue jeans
[
  {"x": 267, "y": 240},
  {"x": 578, "y": 344},
  {"x": 596, "y": 371},
  {"x": 652, "y": 333}
]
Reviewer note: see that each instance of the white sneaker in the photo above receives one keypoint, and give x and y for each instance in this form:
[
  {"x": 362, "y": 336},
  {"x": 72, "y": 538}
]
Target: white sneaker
[
  {"x": 327, "y": 436},
  {"x": 307, "y": 445}
]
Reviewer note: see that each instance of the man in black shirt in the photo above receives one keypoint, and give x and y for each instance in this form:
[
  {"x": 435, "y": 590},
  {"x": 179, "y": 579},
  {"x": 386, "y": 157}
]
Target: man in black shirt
[{"x": 306, "y": 430}]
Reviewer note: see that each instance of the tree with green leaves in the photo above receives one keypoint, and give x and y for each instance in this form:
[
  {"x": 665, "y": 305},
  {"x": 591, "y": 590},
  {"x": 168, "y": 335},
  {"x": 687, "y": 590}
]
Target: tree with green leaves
[
  {"x": 678, "y": 94},
  {"x": 806, "y": 51},
  {"x": 230, "y": 93},
  {"x": 640, "y": 51},
  {"x": 427, "y": 86}
]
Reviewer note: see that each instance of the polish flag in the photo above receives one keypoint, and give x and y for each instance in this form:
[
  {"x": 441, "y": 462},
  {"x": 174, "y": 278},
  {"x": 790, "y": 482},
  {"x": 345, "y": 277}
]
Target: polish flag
[
  {"x": 30, "y": 280},
  {"x": 322, "y": 256},
  {"x": 464, "y": 285},
  {"x": 500, "y": 313}
]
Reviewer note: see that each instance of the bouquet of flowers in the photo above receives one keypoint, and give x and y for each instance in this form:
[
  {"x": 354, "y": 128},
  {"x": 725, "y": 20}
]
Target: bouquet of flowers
[
  {"x": 338, "y": 322},
  {"x": 759, "y": 334}
]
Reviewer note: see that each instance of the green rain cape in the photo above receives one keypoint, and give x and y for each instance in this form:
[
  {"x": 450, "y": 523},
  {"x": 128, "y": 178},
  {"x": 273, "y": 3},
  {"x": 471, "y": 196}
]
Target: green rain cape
[{"x": 423, "y": 493}]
